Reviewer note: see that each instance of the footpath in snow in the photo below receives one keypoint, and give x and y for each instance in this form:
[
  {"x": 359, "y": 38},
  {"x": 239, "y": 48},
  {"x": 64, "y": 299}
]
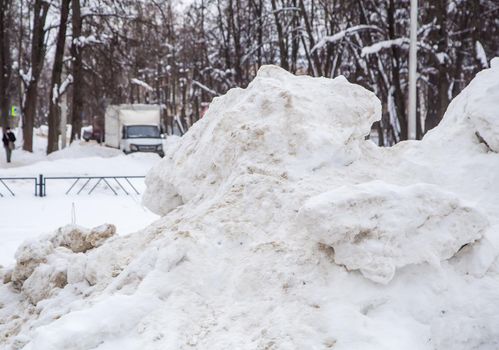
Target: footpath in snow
[{"x": 283, "y": 228}]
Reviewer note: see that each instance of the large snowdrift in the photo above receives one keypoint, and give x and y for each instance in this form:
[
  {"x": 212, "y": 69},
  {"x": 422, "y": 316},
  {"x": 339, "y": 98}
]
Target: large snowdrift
[
  {"x": 283, "y": 228},
  {"x": 281, "y": 125}
]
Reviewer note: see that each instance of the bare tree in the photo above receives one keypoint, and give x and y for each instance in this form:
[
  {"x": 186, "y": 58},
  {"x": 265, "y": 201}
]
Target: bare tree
[
  {"x": 187, "y": 58},
  {"x": 5, "y": 60},
  {"x": 77, "y": 71},
  {"x": 56, "y": 88},
  {"x": 30, "y": 79}
]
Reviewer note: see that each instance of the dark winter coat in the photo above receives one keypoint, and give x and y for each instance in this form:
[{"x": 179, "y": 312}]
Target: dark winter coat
[{"x": 8, "y": 137}]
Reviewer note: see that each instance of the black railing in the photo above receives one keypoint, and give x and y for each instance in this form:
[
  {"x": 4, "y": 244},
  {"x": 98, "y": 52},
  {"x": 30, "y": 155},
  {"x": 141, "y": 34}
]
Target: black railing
[
  {"x": 4, "y": 184},
  {"x": 79, "y": 184}
]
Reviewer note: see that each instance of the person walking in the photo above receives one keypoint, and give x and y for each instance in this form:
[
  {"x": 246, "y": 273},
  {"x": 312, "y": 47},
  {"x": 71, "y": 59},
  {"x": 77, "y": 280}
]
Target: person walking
[{"x": 8, "y": 140}]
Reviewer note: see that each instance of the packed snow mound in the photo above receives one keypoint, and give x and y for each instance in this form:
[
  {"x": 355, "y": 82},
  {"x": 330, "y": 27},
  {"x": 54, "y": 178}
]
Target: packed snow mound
[
  {"x": 44, "y": 264},
  {"x": 283, "y": 228},
  {"x": 473, "y": 113},
  {"x": 84, "y": 149},
  {"x": 280, "y": 125},
  {"x": 378, "y": 228},
  {"x": 85, "y": 329}
]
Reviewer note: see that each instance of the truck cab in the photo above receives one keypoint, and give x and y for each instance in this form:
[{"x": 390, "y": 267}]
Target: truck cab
[{"x": 142, "y": 138}]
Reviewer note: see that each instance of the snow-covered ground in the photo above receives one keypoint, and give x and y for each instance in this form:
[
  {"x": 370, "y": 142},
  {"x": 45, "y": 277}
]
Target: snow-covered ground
[
  {"x": 283, "y": 228},
  {"x": 26, "y": 216}
]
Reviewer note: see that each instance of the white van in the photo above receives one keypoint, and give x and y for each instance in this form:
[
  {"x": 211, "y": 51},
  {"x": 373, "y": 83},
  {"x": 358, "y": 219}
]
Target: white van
[{"x": 134, "y": 128}]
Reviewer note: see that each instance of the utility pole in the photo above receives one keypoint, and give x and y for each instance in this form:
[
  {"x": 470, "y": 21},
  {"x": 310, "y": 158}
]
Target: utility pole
[{"x": 411, "y": 120}]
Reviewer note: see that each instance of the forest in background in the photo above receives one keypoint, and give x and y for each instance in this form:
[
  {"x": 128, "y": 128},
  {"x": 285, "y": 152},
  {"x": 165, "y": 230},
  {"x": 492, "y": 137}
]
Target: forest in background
[{"x": 92, "y": 53}]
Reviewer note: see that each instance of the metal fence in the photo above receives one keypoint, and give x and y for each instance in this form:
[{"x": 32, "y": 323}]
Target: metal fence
[
  {"x": 79, "y": 184},
  {"x": 4, "y": 182}
]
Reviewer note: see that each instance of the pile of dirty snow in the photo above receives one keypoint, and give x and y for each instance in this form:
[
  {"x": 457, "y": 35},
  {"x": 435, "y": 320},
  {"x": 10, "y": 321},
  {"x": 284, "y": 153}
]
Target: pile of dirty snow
[{"x": 283, "y": 228}]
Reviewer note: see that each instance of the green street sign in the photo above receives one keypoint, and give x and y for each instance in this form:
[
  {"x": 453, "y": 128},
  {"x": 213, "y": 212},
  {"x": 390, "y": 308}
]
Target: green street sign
[{"x": 14, "y": 111}]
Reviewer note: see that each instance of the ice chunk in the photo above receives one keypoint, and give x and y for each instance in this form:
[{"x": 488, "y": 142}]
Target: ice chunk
[
  {"x": 79, "y": 239},
  {"x": 48, "y": 276},
  {"x": 28, "y": 256},
  {"x": 378, "y": 228},
  {"x": 42, "y": 265}
]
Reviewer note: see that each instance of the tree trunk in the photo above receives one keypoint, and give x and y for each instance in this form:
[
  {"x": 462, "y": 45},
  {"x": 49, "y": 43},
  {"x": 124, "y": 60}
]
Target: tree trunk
[
  {"x": 398, "y": 95},
  {"x": 54, "y": 110},
  {"x": 438, "y": 98},
  {"x": 295, "y": 42},
  {"x": 37, "y": 55},
  {"x": 236, "y": 36},
  {"x": 76, "y": 53},
  {"x": 5, "y": 62},
  {"x": 316, "y": 69},
  {"x": 283, "y": 50}
]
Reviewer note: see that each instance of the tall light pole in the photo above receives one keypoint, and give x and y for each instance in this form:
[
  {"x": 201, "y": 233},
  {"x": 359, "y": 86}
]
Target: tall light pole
[{"x": 411, "y": 120}]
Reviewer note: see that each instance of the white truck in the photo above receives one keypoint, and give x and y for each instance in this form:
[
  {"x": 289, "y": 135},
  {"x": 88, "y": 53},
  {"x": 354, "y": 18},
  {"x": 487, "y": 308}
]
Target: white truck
[{"x": 134, "y": 128}]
